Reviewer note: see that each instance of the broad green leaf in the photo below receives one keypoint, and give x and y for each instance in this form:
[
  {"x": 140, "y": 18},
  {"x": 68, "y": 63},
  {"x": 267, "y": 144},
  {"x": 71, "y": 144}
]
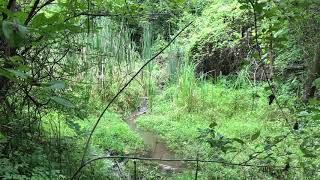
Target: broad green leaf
[
  {"x": 303, "y": 113},
  {"x": 18, "y": 73},
  {"x": 6, "y": 73},
  {"x": 22, "y": 31},
  {"x": 14, "y": 33},
  {"x": 255, "y": 136},
  {"x": 7, "y": 29},
  {"x": 40, "y": 20},
  {"x": 62, "y": 101},
  {"x": 23, "y": 67},
  {"x": 57, "y": 85},
  {"x": 212, "y": 125},
  {"x": 238, "y": 140}
]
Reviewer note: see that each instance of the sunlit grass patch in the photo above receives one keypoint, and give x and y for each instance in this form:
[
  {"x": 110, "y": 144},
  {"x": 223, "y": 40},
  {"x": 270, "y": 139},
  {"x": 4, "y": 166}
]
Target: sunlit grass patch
[
  {"x": 183, "y": 109},
  {"x": 113, "y": 134}
]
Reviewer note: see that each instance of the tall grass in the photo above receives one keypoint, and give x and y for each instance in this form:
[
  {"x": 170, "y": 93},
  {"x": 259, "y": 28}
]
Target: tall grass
[
  {"x": 147, "y": 53},
  {"x": 188, "y": 107},
  {"x": 187, "y": 85},
  {"x": 175, "y": 61},
  {"x": 110, "y": 57}
]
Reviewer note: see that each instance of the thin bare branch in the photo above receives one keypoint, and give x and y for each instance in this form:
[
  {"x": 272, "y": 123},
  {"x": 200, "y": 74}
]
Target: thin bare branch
[{"x": 83, "y": 163}]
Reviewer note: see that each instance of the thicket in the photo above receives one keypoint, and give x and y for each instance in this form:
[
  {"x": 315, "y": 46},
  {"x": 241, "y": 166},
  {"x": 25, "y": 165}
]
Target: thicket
[{"x": 239, "y": 86}]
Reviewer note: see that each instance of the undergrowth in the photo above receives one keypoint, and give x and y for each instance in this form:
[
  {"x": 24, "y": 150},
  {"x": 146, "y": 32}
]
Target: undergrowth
[{"x": 186, "y": 109}]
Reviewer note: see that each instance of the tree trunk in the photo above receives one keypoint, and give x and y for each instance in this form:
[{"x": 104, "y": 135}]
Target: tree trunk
[{"x": 310, "y": 88}]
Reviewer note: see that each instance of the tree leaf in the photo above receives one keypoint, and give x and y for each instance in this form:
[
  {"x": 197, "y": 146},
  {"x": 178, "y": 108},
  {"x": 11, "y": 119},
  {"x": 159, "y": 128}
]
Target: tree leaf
[
  {"x": 62, "y": 101},
  {"x": 18, "y": 73},
  {"x": 14, "y": 33},
  {"x": 57, "y": 85},
  {"x": 306, "y": 153},
  {"x": 22, "y": 31},
  {"x": 212, "y": 125},
  {"x": 7, "y": 29},
  {"x": 244, "y": 6},
  {"x": 255, "y": 136},
  {"x": 238, "y": 140},
  {"x": 5, "y": 73}
]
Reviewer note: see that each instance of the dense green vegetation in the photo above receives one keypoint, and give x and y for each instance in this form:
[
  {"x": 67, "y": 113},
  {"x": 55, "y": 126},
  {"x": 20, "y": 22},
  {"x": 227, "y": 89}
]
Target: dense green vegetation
[{"x": 103, "y": 89}]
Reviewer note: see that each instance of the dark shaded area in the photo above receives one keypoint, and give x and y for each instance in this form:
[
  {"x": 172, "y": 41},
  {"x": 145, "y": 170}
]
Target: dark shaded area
[{"x": 211, "y": 61}]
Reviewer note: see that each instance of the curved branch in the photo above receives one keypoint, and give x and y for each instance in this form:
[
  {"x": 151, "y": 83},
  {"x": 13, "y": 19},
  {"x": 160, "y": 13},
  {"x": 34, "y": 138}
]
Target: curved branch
[
  {"x": 83, "y": 163},
  {"x": 35, "y": 10},
  {"x": 32, "y": 12},
  {"x": 44, "y": 5}
]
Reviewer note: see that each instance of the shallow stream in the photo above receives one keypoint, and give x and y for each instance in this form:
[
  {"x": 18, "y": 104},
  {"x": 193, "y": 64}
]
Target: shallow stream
[{"x": 158, "y": 148}]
